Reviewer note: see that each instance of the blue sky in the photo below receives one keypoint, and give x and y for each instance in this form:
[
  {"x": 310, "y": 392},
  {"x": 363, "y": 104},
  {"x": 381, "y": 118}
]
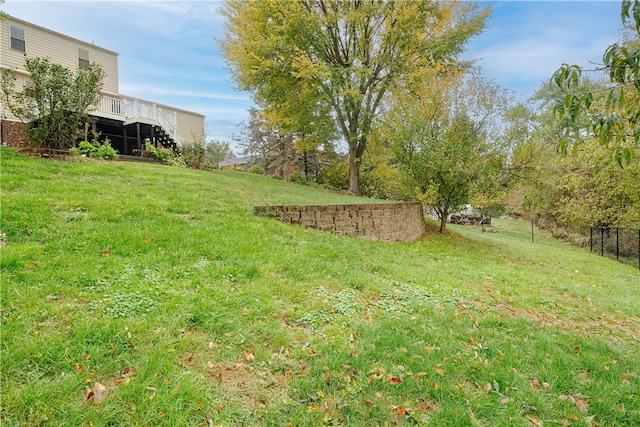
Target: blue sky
[{"x": 168, "y": 53}]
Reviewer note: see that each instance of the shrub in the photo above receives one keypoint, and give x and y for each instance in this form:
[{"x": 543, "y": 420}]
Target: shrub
[
  {"x": 106, "y": 151},
  {"x": 256, "y": 169},
  {"x": 163, "y": 155},
  {"x": 336, "y": 176},
  {"x": 102, "y": 151},
  {"x": 193, "y": 154},
  {"x": 297, "y": 178},
  {"x": 84, "y": 149}
]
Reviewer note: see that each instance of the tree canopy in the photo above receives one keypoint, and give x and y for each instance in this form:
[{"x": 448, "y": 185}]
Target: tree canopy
[
  {"x": 614, "y": 112},
  {"x": 217, "y": 151},
  {"x": 336, "y": 60},
  {"x": 570, "y": 193},
  {"x": 445, "y": 138},
  {"x": 54, "y": 104}
]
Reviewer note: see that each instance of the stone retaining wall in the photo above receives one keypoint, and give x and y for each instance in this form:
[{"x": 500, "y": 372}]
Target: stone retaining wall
[{"x": 388, "y": 222}]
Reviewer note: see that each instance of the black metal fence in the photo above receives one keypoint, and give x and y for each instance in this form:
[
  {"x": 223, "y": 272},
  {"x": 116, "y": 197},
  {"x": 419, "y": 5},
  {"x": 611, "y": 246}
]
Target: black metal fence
[{"x": 623, "y": 244}]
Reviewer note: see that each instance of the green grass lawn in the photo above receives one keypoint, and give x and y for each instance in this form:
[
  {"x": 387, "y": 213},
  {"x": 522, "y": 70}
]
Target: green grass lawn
[{"x": 137, "y": 294}]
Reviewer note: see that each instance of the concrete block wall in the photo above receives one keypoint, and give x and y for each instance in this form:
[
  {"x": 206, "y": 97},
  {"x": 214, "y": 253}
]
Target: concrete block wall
[{"x": 388, "y": 222}]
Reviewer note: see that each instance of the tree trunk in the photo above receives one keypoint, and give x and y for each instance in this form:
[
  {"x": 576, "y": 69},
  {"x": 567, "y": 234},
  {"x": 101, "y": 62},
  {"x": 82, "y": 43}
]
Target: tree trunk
[
  {"x": 354, "y": 172},
  {"x": 443, "y": 219},
  {"x": 306, "y": 166}
]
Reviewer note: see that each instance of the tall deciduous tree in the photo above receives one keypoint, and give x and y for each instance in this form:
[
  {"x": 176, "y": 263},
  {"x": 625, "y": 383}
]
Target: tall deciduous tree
[
  {"x": 344, "y": 56},
  {"x": 615, "y": 112},
  {"x": 55, "y": 103},
  {"x": 445, "y": 139}
]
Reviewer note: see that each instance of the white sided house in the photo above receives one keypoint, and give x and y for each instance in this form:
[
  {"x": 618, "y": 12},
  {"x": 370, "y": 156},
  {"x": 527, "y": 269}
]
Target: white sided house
[{"x": 127, "y": 121}]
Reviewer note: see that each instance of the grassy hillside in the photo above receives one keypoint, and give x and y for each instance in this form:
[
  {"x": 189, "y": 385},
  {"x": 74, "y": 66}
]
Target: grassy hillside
[{"x": 137, "y": 294}]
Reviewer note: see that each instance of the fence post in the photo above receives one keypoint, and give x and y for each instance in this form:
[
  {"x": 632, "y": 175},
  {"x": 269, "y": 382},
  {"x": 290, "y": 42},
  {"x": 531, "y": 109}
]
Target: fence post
[
  {"x": 590, "y": 239},
  {"x": 617, "y": 243},
  {"x": 639, "y": 248},
  {"x": 602, "y": 241},
  {"x": 532, "y": 230}
]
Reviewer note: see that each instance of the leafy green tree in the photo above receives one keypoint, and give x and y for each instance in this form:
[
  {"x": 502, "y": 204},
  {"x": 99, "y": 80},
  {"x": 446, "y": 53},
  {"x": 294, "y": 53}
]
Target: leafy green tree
[
  {"x": 380, "y": 176},
  {"x": 341, "y": 57},
  {"x": 218, "y": 151},
  {"x": 615, "y": 112},
  {"x": 54, "y": 105},
  {"x": 443, "y": 137},
  {"x": 568, "y": 193}
]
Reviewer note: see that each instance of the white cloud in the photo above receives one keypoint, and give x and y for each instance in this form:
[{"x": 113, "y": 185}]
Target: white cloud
[
  {"x": 527, "y": 41},
  {"x": 184, "y": 93}
]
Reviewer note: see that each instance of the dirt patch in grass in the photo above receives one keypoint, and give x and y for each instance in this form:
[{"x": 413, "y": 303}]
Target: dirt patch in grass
[
  {"x": 252, "y": 387},
  {"x": 627, "y": 329}
]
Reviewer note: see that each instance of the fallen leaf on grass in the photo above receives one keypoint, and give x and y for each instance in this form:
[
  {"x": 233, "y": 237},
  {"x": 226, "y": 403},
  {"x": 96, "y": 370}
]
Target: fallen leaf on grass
[
  {"x": 249, "y": 355},
  {"x": 395, "y": 380},
  {"x": 30, "y": 265},
  {"x": 427, "y": 407},
  {"x": 106, "y": 253},
  {"x": 98, "y": 394},
  {"x": 127, "y": 371},
  {"x": 582, "y": 404},
  {"x": 149, "y": 240},
  {"x": 533, "y": 420},
  {"x": 401, "y": 410},
  {"x": 313, "y": 407},
  {"x": 537, "y": 384}
]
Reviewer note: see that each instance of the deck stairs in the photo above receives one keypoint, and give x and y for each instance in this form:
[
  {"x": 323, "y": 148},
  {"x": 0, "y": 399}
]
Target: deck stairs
[{"x": 131, "y": 110}]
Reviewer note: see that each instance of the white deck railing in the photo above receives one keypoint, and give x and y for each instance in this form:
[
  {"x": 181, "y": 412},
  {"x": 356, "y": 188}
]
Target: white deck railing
[{"x": 133, "y": 109}]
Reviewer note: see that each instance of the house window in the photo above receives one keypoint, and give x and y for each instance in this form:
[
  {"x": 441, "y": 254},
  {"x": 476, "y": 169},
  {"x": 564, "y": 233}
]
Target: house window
[
  {"x": 17, "y": 39},
  {"x": 83, "y": 58},
  {"x": 29, "y": 89}
]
